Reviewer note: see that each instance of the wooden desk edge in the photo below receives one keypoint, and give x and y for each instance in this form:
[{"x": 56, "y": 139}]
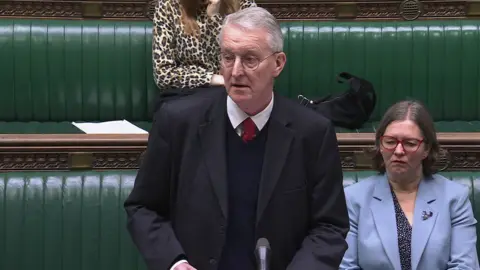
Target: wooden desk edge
[
  {"x": 141, "y": 139},
  {"x": 443, "y": 138},
  {"x": 73, "y": 139},
  {"x": 23, "y": 152}
]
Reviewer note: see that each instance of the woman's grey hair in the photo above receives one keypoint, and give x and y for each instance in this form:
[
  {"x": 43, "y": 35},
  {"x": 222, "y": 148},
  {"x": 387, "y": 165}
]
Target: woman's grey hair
[{"x": 256, "y": 18}]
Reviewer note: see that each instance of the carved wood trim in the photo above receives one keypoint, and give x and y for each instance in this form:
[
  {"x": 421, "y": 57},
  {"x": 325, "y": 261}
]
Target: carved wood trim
[
  {"x": 25, "y": 152},
  {"x": 282, "y": 10},
  {"x": 22, "y": 152}
]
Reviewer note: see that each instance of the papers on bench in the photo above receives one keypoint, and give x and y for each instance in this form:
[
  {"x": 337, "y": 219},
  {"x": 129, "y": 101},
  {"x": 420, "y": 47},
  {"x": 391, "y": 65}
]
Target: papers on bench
[{"x": 110, "y": 127}]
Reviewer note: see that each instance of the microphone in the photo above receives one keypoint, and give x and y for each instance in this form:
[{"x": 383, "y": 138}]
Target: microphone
[{"x": 262, "y": 254}]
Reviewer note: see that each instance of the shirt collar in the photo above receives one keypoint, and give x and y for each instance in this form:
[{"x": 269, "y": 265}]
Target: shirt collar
[{"x": 237, "y": 116}]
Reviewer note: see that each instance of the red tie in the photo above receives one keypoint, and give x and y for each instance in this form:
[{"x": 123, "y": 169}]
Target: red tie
[{"x": 249, "y": 130}]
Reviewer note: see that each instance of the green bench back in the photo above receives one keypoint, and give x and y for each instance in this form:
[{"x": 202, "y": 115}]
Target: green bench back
[
  {"x": 87, "y": 70},
  {"x": 68, "y": 70},
  {"x": 76, "y": 220},
  {"x": 434, "y": 61},
  {"x": 66, "y": 221}
]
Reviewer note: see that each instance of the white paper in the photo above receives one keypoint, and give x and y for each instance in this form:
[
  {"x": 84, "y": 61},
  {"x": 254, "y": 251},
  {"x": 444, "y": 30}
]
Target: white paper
[{"x": 110, "y": 127}]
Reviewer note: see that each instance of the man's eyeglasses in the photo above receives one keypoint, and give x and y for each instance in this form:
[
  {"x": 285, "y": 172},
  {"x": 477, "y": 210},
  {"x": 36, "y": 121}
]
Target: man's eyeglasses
[
  {"x": 227, "y": 60},
  {"x": 409, "y": 145}
]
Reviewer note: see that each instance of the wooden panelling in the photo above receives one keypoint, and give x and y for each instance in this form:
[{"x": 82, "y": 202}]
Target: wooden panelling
[
  {"x": 282, "y": 9},
  {"x": 461, "y": 151}
]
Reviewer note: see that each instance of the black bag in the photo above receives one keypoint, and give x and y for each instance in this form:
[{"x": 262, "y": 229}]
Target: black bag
[{"x": 350, "y": 109}]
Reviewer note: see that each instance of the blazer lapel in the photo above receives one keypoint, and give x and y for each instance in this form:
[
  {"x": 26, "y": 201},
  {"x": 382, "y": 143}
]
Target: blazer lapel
[
  {"x": 279, "y": 139},
  {"x": 383, "y": 213},
  {"x": 212, "y": 138},
  {"x": 424, "y": 218}
]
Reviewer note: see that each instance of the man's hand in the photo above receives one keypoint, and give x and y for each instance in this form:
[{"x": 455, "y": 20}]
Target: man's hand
[
  {"x": 184, "y": 266},
  {"x": 217, "y": 80}
]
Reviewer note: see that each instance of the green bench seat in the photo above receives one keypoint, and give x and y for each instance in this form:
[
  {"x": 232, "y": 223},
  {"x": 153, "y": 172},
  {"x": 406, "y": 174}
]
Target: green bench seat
[
  {"x": 58, "y": 71},
  {"x": 76, "y": 220}
]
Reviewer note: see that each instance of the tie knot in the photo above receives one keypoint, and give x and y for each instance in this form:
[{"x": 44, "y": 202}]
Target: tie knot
[{"x": 249, "y": 129}]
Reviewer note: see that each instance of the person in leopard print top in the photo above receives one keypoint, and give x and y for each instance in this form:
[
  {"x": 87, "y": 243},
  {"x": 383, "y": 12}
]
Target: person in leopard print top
[{"x": 185, "y": 47}]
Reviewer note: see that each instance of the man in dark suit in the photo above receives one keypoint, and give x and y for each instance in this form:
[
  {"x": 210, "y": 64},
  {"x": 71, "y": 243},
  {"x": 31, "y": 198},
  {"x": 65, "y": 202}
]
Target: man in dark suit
[{"x": 225, "y": 168}]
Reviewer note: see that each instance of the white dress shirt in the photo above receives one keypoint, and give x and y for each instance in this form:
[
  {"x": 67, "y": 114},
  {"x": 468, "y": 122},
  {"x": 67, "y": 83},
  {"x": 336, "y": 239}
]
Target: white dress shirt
[{"x": 237, "y": 116}]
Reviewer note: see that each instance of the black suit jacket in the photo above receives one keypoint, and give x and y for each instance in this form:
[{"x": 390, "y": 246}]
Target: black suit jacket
[{"x": 179, "y": 201}]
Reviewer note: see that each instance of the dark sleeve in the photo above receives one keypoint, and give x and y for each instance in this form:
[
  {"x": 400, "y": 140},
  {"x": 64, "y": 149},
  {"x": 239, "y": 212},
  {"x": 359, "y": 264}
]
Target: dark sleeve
[
  {"x": 324, "y": 247},
  {"x": 148, "y": 205}
]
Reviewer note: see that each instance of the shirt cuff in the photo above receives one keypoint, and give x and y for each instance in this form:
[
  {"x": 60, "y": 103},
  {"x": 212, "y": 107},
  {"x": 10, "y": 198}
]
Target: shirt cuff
[{"x": 177, "y": 263}]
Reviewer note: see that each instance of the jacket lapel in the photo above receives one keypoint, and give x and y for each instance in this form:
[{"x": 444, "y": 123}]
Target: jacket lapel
[
  {"x": 424, "y": 218},
  {"x": 383, "y": 213},
  {"x": 212, "y": 137},
  {"x": 279, "y": 139}
]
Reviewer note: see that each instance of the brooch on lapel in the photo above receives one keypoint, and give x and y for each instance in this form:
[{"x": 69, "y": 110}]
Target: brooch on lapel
[{"x": 426, "y": 215}]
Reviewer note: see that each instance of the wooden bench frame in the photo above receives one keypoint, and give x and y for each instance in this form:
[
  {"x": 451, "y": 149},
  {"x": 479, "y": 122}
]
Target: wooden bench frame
[
  {"x": 281, "y": 9},
  {"x": 63, "y": 152}
]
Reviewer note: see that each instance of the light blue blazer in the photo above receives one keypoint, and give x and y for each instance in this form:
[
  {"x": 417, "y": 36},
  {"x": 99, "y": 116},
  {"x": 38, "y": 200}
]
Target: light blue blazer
[{"x": 446, "y": 240}]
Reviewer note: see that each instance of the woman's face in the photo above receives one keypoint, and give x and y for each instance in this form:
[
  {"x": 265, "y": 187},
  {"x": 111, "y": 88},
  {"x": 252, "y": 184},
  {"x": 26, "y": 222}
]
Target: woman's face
[{"x": 402, "y": 148}]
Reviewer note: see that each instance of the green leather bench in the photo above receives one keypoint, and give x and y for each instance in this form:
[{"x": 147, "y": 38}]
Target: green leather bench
[
  {"x": 53, "y": 72},
  {"x": 76, "y": 220}
]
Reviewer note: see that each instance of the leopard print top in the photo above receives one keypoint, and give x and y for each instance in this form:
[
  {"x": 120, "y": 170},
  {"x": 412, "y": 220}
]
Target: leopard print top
[{"x": 181, "y": 60}]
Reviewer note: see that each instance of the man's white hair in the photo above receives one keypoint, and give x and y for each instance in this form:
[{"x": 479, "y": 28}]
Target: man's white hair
[{"x": 256, "y": 18}]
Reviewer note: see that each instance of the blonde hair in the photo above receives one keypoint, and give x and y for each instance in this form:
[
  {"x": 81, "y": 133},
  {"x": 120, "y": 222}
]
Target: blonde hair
[{"x": 190, "y": 8}]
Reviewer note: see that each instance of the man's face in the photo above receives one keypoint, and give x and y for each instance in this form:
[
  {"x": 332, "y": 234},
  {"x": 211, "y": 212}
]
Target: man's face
[{"x": 249, "y": 65}]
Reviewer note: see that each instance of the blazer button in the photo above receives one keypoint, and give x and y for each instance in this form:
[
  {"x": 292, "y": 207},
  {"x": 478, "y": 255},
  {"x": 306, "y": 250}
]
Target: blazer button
[{"x": 213, "y": 261}]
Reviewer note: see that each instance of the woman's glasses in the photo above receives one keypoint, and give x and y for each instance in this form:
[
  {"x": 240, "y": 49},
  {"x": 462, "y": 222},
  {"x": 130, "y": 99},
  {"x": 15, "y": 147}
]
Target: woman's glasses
[{"x": 409, "y": 145}]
